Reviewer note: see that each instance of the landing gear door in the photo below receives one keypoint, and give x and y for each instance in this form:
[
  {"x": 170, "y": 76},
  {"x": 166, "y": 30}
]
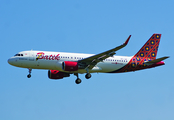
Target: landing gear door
[{"x": 31, "y": 58}]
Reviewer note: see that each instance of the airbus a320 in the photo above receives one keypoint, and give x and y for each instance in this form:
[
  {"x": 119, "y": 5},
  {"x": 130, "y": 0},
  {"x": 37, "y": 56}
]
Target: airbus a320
[{"x": 62, "y": 64}]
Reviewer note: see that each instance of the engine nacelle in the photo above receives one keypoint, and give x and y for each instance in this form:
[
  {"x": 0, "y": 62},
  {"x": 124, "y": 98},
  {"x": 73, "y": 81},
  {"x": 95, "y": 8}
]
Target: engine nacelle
[
  {"x": 70, "y": 66},
  {"x": 55, "y": 74}
]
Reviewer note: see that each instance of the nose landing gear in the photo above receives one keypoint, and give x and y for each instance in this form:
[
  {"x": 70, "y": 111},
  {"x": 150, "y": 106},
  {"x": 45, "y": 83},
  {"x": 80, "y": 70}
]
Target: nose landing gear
[{"x": 29, "y": 75}]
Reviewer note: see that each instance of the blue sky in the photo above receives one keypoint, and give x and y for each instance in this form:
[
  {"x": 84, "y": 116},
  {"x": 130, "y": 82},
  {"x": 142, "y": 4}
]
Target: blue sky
[{"x": 86, "y": 27}]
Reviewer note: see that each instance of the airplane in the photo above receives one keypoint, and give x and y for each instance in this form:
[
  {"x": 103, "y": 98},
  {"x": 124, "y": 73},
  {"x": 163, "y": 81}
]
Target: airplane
[{"x": 62, "y": 64}]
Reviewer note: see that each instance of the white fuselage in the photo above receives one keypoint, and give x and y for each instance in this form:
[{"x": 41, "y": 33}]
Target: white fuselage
[{"x": 53, "y": 61}]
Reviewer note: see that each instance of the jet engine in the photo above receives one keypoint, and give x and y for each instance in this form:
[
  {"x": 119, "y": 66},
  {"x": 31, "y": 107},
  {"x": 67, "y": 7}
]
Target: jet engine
[
  {"x": 70, "y": 66},
  {"x": 55, "y": 74}
]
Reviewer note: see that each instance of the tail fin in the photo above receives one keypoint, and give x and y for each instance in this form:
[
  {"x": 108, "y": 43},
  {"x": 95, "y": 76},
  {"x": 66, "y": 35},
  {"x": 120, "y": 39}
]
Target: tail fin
[
  {"x": 150, "y": 48},
  {"x": 145, "y": 57}
]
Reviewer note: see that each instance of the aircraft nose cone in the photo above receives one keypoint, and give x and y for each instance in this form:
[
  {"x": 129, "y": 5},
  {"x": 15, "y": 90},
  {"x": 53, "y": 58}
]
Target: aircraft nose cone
[{"x": 10, "y": 61}]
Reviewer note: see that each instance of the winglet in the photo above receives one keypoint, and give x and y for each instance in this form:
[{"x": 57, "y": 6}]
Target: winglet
[{"x": 125, "y": 43}]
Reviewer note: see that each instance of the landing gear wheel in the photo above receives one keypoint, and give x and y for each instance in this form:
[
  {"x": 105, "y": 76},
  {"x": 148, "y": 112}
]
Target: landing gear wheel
[
  {"x": 88, "y": 75},
  {"x": 78, "y": 81},
  {"x": 28, "y": 75},
  {"x": 29, "y": 70}
]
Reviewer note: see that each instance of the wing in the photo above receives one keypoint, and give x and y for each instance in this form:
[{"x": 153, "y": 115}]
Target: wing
[{"x": 90, "y": 62}]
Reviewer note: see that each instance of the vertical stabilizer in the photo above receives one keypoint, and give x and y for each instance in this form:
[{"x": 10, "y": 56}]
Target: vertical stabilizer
[
  {"x": 147, "y": 53},
  {"x": 150, "y": 48}
]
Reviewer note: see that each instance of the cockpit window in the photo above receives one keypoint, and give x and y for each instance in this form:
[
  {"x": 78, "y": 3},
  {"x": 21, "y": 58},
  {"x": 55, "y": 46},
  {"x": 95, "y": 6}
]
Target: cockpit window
[{"x": 19, "y": 55}]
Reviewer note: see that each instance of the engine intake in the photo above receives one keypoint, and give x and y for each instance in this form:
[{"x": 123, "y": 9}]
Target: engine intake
[
  {"x": 55, "y": 74},
  {"x": 70, "y": 66}
]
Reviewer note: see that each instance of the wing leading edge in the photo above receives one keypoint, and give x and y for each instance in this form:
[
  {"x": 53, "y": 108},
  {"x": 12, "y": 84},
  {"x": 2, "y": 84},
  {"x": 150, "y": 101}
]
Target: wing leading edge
[{"x": 90, "y": 62}]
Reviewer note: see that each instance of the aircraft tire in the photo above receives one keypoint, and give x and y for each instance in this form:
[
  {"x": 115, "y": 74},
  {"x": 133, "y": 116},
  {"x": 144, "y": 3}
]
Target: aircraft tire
[
  {"x": 28, "y": 75},
  {"x": 88, "y": 75},
  {"x": 78, "y": 81}
]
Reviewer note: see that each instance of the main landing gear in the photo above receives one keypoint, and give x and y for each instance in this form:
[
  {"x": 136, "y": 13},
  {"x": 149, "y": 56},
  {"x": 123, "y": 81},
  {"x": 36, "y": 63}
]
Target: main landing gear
[
  {"x": 29, "y": 75},
  {"x": 88, "y": 75},
  {"x": 78, "y": 80}
]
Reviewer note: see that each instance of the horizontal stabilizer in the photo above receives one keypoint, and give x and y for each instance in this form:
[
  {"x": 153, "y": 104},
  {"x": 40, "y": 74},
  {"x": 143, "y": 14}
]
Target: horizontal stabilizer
[{"x": 155, "y": 61}]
